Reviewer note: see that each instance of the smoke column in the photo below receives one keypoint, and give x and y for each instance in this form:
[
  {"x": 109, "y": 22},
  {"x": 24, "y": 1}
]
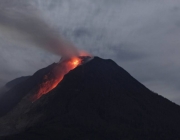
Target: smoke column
[{"x": 22, "y": 17}]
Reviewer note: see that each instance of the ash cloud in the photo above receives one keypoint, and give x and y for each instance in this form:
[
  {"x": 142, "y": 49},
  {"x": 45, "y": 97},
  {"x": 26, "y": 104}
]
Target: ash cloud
[{"x": 23, "y": 18}]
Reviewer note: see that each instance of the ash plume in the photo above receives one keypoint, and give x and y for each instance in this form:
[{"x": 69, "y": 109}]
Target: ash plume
[{"x": 25, "y": 19}]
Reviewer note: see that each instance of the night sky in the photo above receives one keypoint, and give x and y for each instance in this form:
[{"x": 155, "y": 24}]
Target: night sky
[{"x": 142, "y": 36}]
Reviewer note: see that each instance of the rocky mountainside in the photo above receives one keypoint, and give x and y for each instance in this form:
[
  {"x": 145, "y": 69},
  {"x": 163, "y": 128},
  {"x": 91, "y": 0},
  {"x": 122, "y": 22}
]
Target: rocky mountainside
[
  {"x": 97, "y": 100},
  {"x": 21, "y": 87},
  {"x": 16, "y": 81}
]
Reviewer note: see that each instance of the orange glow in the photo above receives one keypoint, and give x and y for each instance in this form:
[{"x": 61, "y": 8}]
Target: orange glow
[
  {"x": 84, "y": 53},
  {"x": 52, "y": 79},
  {"x": 75, "y": 62}
]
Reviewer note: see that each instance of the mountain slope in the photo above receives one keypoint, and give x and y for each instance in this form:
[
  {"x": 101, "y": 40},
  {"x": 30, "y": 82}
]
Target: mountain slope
[
  {"x": 21, "y": 87},
  {"x": 16, "y": 81},
  {"x": 11, "y": 84},
  {"x": 97, "y": 100}
]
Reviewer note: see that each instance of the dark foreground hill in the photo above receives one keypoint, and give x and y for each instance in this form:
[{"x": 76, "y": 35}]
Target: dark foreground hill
[{"x": 97, "y": 100}]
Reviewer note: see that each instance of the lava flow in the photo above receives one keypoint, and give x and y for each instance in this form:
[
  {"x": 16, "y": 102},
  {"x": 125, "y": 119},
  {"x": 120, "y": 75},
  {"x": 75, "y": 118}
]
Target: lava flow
[{"x": 52, "y": 79}]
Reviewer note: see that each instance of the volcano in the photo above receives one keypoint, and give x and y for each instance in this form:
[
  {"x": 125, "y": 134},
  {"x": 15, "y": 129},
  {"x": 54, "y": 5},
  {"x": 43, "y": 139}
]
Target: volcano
[{"x": 96, "y": 100}]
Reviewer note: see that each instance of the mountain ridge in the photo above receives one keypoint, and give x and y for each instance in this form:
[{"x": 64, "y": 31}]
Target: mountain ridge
[{"x": 100, "y": 100}]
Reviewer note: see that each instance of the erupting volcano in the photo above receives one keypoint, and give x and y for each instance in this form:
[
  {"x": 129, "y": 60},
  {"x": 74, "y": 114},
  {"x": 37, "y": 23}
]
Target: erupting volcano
[
  {"x": 94, "y": 100},
  {"x": 97, "y": 100},
  {"x": 52, "y": 79}
]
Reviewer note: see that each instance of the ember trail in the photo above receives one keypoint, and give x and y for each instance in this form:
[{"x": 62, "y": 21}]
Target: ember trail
[{"x": 55, "y": 76}]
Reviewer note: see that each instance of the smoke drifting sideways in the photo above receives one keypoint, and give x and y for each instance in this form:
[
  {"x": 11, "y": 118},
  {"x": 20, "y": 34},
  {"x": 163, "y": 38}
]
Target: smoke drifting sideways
[{"x": 23, "y": 18}]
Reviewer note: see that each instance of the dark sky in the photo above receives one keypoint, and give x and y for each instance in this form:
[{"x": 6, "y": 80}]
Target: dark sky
[{"x": 142, "y": 36}]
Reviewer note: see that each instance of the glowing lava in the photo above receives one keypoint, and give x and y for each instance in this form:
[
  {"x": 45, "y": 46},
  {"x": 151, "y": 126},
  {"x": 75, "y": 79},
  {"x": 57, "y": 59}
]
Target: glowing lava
[{"x": 52, "y": 79}]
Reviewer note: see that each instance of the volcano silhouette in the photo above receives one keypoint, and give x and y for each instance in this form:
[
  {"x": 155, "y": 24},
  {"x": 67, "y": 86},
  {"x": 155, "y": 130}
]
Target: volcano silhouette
[{"x": 96, "y": 100}]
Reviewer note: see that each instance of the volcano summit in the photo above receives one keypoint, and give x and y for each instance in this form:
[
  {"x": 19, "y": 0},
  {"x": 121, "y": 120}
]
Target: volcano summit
[{"x": 95, "y": 100}]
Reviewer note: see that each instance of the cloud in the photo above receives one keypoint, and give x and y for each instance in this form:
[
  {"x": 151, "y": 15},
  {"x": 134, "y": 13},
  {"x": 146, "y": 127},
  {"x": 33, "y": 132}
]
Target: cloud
[
  {"x": 142, "y": 36},
  {"x": 25, "y": 20}
]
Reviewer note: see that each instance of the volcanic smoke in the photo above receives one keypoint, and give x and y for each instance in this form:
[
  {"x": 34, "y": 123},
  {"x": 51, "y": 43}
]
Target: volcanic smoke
[{"x": 26, "y": 20}]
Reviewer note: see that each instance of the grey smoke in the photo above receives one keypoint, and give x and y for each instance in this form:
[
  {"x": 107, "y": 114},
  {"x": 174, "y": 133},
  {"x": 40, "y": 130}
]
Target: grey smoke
[{"x": 25, "y": 19}]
